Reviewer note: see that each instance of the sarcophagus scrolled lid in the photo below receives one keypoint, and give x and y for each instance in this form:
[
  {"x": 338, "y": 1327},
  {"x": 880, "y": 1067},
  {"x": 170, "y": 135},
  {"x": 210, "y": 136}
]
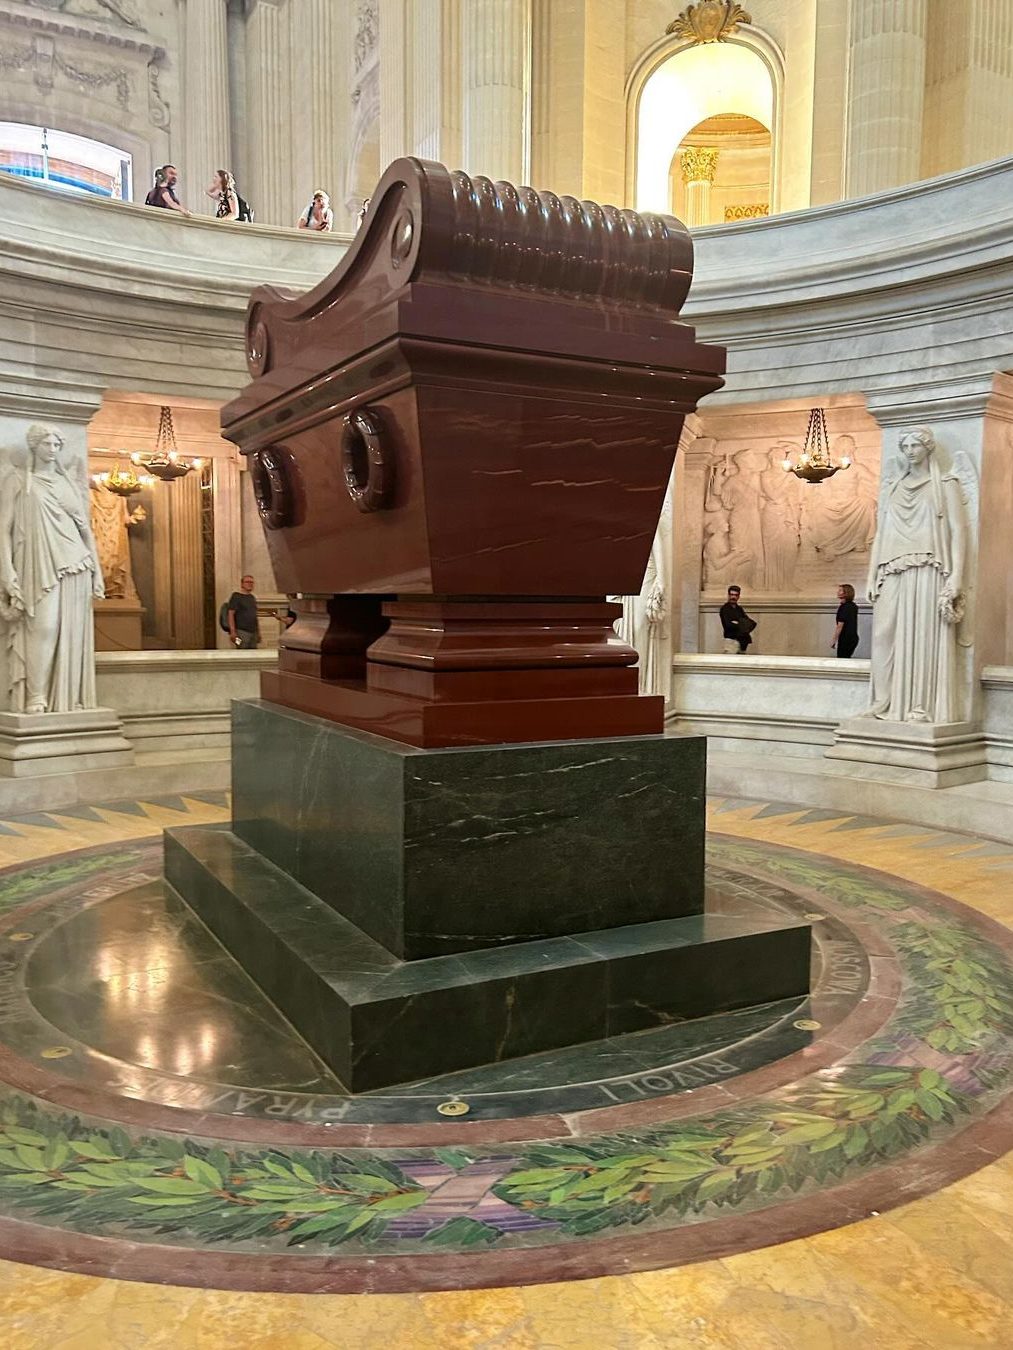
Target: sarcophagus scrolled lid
[{"x": 481, "y": 404}]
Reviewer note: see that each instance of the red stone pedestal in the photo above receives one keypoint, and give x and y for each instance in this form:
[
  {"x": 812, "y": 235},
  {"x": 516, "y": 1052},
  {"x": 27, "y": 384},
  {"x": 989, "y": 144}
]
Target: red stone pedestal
[{"x": 440, "y": 672}]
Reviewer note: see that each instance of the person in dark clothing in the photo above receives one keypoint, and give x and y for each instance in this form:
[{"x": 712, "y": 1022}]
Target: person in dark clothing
[
  {"x": 163, "y": 194},
  {"x": 736, "y": 625},
  {"x": 846, "y": 632},
  {"x": 244, "y": 628}
]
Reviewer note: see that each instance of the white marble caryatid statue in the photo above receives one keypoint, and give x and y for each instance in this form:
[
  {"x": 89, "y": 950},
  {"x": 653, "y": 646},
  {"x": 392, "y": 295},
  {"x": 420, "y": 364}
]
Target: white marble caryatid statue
[
  {"x": 916, "y": 583},
  {"x": 645, "y": 621},
  {"x": 49, "y": 573}
]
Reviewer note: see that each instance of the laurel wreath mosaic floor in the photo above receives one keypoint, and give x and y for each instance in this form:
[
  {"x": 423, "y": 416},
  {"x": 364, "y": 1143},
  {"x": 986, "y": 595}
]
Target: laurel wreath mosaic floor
[{"x": 782, "y": 1129}]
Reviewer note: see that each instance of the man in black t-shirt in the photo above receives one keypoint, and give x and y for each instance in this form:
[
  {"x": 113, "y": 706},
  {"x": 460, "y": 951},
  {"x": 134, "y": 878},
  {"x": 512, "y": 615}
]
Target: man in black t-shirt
[
  {"x": 163, "y": 194},
  {"x": 244, "y": 628},
  {"x": 736, "y": 625}
]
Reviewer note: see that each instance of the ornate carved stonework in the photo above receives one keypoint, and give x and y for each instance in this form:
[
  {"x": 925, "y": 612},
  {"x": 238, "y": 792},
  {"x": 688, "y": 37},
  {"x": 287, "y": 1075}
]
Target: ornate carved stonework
[
  {"x": 367, "y": 31},
  {"x": 46, "y": 60},
  {"x": 119, "y": 11},
  {"x": 708, "y": 21},
  {"x": 766, "y": 530},
  {"x": 698, "y": 164},
  {"x": 754, "y": 211},
  {"x": 158, "y": 109}
]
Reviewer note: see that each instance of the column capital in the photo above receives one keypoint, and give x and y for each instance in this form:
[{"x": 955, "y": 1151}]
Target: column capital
[{"x": 698, "y": 164}]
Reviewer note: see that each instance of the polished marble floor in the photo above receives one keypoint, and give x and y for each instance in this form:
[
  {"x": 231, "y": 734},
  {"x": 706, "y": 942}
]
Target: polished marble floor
[{"x": 933, "y": 1272}]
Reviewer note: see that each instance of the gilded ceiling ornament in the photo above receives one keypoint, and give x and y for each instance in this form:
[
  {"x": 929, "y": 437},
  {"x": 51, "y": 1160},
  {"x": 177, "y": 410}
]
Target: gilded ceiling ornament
[
  {"x": 699, "y": 164},
  {"x": 708, "y": 21}
]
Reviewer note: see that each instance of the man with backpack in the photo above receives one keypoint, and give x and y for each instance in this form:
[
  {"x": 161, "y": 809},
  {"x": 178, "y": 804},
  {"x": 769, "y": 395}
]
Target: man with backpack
[{"x": 238, "y": 616}]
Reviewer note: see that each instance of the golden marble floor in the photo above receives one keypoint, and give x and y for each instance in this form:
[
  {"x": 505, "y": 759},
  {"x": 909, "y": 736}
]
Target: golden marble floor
[{"x": 936, "y": 1273}]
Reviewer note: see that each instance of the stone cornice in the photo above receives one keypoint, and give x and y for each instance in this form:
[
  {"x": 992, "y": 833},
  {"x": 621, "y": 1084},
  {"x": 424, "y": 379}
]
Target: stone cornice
[
  {"x": 120, "y": 663},
  {"x": 776, "y": 667},
  {"x": 780, "y": 604},
  {"x": 841, "y": 254},
  {"x": 52, "y": 23},
  {"x": 24, "y": 395}
]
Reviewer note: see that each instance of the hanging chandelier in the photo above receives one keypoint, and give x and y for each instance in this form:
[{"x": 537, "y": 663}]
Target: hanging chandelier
[
  {"x": 814, "y": 462},
  {"x": 165, "y": 462},
  {"x": 123, "y": 480}
]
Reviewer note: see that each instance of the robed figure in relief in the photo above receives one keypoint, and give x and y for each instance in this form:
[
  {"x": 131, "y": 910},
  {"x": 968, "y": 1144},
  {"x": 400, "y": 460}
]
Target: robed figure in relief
[
  {"x": 916, "y": 583},
  {"x": 49, "y": 573}
]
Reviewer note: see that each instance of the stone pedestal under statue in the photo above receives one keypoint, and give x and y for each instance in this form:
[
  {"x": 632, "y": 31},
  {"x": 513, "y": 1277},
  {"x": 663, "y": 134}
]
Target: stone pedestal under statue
[
  {"x": 118, "y": 625},
  {"x": 459, "y": 833},
  {"x": 69, "y": 742}
]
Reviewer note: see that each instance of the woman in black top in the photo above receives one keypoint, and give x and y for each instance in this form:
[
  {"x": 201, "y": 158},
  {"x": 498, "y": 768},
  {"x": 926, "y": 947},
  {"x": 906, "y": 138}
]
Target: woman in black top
[{"x": 846, "y": 632}]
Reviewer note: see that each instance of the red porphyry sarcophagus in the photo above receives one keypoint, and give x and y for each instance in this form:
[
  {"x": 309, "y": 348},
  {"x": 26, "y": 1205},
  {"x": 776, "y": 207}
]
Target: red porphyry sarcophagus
[{"x": 460, "y": 443}]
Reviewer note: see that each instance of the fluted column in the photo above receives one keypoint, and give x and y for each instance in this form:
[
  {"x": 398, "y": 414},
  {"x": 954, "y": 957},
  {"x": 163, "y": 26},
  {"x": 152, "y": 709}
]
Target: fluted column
[
  {"x": 394, "y": 65},
  {"x": 886, "y": 94},
  {"x": 434, "y": 83},
  {"x": 268, "y": 88},
  {"x": 968, "y": 86},
  {"x": 496, "y": 65},
  {"x": 320, "y": 85},
  {"x": 420, "y": 80},
  {"x": 698, "y": 165},
  {"x": 206, "y": 76}
]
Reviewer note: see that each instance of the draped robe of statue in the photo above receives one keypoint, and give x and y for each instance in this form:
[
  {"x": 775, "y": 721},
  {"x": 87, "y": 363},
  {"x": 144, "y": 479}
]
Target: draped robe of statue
[
  {"x": 49, "y": 573},
  {"x": 645, "y": 622},
  {"x": 111, "y": 518},
  {"x": 915, "y": 585}
]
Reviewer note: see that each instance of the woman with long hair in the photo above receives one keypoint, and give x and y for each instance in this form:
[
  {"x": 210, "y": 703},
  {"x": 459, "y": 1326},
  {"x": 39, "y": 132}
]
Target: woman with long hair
[
  {"x": 223, "y": 189},
  {"x": 49, "y": 573}
]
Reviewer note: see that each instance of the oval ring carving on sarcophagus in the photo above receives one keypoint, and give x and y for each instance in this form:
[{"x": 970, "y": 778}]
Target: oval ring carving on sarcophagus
[
  {"x": 367, "y": 467},
  {"x": 272, "y": 487}
]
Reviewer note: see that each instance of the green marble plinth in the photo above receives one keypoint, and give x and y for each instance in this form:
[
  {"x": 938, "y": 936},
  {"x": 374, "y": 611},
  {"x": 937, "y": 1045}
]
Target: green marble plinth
[
  {"x": 415, "y": 912},
  {"x": 435, "y": 852},
  {"x": 376, "y": 1020}
]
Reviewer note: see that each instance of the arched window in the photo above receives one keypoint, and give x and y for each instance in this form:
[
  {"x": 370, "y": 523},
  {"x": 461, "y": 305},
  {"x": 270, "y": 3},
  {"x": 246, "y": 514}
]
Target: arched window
[
  {"x": 704, "y": 121},
  {"x": 64, "y": 161}
]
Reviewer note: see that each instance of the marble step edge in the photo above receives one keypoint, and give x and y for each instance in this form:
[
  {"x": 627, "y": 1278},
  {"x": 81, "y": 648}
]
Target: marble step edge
[
  {"x": 368, "y": 971},
  {"x": 376, "y": 1020}
]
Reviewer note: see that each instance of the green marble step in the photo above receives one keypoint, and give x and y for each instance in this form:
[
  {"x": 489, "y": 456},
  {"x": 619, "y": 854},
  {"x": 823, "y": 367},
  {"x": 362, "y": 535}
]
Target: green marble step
[
  {"x": 376, "y": 1020},
  {"x": 435, "y": 852}
]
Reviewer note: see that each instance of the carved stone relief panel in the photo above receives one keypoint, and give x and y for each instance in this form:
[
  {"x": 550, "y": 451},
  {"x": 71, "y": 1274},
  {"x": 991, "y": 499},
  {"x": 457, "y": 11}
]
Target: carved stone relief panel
[
  {"x": 765, "y": 529},
  {"x": 53, "y": 63}
]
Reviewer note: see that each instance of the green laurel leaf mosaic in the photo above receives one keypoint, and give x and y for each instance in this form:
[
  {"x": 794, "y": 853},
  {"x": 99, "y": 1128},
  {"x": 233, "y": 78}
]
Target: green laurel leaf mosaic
[{"x": 943, "y": 1059}]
